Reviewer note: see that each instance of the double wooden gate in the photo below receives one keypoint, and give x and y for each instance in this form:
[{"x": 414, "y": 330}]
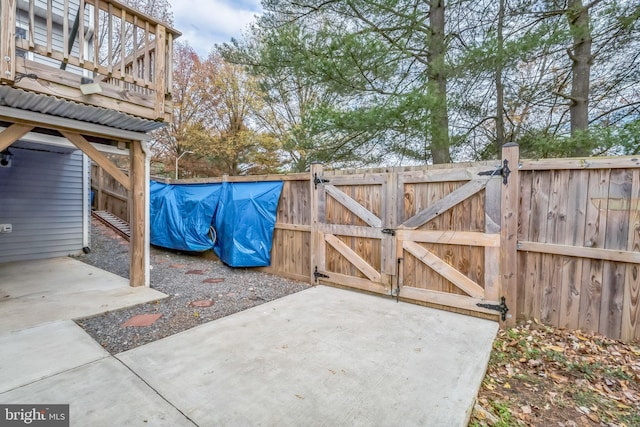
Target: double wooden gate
[{"x": 431, "y": 236}]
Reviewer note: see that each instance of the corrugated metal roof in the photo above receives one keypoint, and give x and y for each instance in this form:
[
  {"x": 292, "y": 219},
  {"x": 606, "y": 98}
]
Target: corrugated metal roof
[{"x": 47, "y": 104}]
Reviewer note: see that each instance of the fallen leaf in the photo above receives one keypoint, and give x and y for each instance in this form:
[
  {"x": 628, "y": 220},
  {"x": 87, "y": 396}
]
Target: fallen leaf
[
  {"x": 583, "y": 410},
  {"x": 581, "y": 337},
  {"x": 526, "y": 409},
  {"x": 593, "y": 417},
  {"x": 558, "y": 378}
]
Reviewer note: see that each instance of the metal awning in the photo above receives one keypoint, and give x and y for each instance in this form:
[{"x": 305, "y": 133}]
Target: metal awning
[{"x": 53, "y": 106}]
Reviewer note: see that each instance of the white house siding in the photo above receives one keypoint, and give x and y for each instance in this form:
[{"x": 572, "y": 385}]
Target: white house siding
[
  {"x": 57, "y": 41},
  {"x": 43, "y": 195}
]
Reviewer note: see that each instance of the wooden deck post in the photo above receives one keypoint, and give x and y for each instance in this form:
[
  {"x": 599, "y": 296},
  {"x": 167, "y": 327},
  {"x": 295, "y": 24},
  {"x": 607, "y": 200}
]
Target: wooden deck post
[
  {"x": 160, "y": 78},
  {"x": 8, "y": 40},
  {"x": 137, "y": 246},
  {"x": 509, "y": 231}
]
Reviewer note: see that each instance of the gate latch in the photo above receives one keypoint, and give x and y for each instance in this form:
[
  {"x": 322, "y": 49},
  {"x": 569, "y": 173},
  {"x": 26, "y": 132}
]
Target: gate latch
[
  {"x": 317, "y": 180},
  {"x": 388, "y": 231},
  {"x": 502, "y": 308},
  {"x": 318, "y": 275},
  {"x": 504, "y": 172}
]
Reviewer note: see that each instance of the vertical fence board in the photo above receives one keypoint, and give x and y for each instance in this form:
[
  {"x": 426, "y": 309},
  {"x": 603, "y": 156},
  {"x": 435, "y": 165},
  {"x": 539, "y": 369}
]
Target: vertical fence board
[
  {"x": 630, "y": 328},
  {"x": 617, "y": 230},
  {"x": 537, "y": 277},
  {"x": 596, "y": 217},
  {"x": 552, "y": 264},
  {"x": 574, "y": 236},
  {"x": 525, "y": 281}
]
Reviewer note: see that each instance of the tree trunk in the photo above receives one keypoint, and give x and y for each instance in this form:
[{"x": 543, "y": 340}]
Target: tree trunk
[
  {"x": 499, "y": 86},
  {"x": 580, "y": 55},
  {"x": 439, "y": 120}
]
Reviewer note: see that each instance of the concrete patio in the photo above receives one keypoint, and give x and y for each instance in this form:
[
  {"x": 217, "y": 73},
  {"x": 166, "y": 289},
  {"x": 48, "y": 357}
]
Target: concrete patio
[
  {"x": 323, "y": 356},
  {"x": 35, "y": 292}
]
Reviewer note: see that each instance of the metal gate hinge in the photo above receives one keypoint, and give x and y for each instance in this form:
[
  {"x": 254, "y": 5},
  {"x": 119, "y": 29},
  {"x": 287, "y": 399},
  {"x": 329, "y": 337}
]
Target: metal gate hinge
[
  {"x": 502, "y": 308},
  {"x": 388, "y": 231},
  {"x": 504, "y": 172},
  {"x": 317, "y": 274},
  {"x": 317, "y": 180}
]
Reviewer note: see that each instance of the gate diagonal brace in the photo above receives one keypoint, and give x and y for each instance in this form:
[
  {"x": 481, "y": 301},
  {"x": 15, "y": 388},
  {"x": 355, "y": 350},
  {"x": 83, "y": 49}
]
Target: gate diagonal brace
[
  {"x": 502, "y": 308},
  {"x": 504, "y": 172},
  {"x": 318, "y": 275}
]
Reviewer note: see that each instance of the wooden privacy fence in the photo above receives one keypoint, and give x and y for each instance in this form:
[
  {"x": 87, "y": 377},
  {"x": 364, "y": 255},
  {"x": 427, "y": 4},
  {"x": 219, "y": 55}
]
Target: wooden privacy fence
[
  {"x": 558, "y": 239},
  {"x": 108, "y": 194},
  {"x": 579, "y": 244}
]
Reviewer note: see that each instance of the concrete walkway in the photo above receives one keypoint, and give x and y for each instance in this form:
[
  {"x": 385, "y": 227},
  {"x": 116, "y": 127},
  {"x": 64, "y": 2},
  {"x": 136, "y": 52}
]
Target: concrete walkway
[
  {"x": 35, "y": 292},
  {"x": 321, "y": 357}
]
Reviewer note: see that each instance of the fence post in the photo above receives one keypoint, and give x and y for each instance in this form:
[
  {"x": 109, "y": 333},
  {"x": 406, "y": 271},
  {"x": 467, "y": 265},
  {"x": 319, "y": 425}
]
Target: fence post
[
  {"x": 99, "y": 196},
  {"x": 509, "y": 230},
  {"x": 315, "y": 170}
]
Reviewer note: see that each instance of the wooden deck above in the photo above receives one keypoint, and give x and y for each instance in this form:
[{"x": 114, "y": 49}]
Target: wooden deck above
[{"x": 58, "y": 47}]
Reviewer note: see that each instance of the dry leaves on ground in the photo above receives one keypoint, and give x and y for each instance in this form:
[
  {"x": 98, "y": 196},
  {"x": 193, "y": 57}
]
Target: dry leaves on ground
[{"x": 542, "y": 376}]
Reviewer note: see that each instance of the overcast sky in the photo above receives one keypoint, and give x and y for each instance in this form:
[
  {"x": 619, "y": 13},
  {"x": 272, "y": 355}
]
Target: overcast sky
[{"x": 203, "y": 23}]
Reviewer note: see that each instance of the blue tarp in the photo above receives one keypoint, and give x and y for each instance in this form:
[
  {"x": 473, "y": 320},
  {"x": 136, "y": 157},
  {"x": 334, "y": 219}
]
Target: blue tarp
[
  {"x": 182, "y": 214},
  {"x": 242, "y": 213},
  {"x": 245, "y": 221}
]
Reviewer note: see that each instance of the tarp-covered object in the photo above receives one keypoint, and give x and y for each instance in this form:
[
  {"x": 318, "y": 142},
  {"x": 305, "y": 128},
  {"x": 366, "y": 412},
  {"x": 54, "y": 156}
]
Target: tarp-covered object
[
  {"x": 242, "y": 213},
  {"x": 245, "y": 221},
  {"x": 181, "y": 215}
]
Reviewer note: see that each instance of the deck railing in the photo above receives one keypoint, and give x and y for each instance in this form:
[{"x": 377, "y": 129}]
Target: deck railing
[{"x": 54, "y": 46}]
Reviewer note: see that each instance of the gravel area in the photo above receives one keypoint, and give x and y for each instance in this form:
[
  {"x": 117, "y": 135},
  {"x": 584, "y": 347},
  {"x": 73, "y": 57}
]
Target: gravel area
[{"x": 192, "y": 281}]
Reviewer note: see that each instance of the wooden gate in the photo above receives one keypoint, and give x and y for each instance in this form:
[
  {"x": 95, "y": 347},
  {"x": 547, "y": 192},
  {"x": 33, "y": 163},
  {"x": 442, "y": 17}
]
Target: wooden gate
[
  {"x": 448, "y": 243},
  {"x": 353, "y": 244},
  {"x": 429, "y": 236}
]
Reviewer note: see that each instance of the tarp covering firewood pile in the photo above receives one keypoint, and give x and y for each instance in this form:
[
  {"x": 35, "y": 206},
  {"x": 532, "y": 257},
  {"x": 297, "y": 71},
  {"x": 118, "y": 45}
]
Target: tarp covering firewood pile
[{"x": 235, "y": 219}]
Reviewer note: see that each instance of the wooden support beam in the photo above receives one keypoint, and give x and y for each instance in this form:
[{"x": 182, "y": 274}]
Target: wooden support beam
[
  {"x": 367, "y": 285},
  {"x": 509, "y": 232},
  {"x": 138, "y": 205},
  {"x": 445, "y": 270},
  {"x": 464, "y": 238},
  {"x": 106, "y": 164},
  {"x": 353, "y": 257},
  {"x": 8, "y": 40},
  {"x": 614, "y": 255},
  {"x": 355, "y": 207},
  {"x": 316, "y": 256},
  {"x": 617, "y": 162},
  {"x": 443, "y": 298},
  {"x": 12, "y": 134},
  {"x": 351, "y": 230},
  {"x": 444, "y": 204},
  {"x": 160, "y": 78}
]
